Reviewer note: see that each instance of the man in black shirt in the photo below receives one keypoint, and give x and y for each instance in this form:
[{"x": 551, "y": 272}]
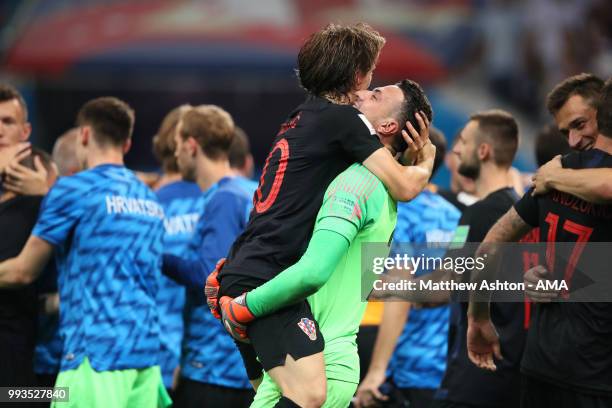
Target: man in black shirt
[
  {"x": 320, "y": 139},
  {"x": 486, "y": 148},
  {"x": 568, "y": 355},
  {"x": 17, "y": 217},
  {"x": 19, "y": 307}
]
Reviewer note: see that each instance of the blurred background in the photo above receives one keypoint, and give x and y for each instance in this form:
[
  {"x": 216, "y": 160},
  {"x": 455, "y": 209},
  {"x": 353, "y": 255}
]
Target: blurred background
[{"x": 241, "y": 55}]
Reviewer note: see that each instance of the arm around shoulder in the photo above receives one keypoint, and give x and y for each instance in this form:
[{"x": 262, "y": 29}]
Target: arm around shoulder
[{"x": 593, "y": 185}]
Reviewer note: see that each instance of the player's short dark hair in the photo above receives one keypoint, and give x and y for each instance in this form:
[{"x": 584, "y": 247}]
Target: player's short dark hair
[
  {"x": 330, "y": 58},
  {"x": 604, "y": 110},
  {"x": 439, "y": 140},
  {"x": 212, "y": 127},
  {"x": 414, "y": 101},
  {"x": 501, "y": 130},
  {"x": 586, "y": 85},
  {"x": 8, "y": 93},
  {"x": 239, "y": 149},
  {"x": 111, "y": 119},
  {"x": 44, "y": 157},
  {"x": 550, "y": 142},
  {"x": 163, "y": 141}
]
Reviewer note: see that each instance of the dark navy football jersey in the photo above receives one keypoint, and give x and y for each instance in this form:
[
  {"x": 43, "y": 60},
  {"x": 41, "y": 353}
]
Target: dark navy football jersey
[{"x": 570, "y": 343}]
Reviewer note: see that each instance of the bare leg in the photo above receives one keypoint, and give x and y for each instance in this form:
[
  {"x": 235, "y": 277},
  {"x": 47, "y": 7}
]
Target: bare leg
[{"x": 303, "y": 381}]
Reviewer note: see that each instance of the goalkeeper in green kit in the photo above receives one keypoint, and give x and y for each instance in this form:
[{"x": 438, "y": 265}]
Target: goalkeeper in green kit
[{"x": 356, "y": 209}]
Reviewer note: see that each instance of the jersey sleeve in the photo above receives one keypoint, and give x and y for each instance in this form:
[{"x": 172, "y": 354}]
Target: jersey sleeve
[
  {"x": 528, "y": 209},
  {"x": 61, "y": 209},
  {"x": 344, "y": 209},
  {"x": 572, "y": 160},
  {"x": 356, "y": 134}
]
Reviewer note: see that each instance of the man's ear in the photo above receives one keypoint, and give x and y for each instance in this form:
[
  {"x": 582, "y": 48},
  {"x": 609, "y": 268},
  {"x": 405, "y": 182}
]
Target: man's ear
[
  {"x": 127, "y": 145},
  {"x": 27, "y": 130},
  {"x": 192, "y": 145},
  {"x": 249, "y": 165},
  {"x": 84, "y": 135},
  {"x": 484, "y": 152},
  {"x": 387, "y": 128}
]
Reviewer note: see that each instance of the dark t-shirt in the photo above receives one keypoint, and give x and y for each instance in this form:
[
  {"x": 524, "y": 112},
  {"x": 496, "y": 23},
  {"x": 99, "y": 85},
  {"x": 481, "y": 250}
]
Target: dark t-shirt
[
  {"x": 570, "y": 344},
  {"x": 18, "y": 307},
  {"x": 451, "y": 197},
  {"x": 319, "y": 141},
  {"x": 464, "y": 382}
]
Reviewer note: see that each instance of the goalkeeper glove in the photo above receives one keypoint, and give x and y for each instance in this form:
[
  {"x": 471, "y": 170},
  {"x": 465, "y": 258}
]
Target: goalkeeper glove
[
  {"x": 211, "y": 289},
  {"x": 235, "y": 315}
]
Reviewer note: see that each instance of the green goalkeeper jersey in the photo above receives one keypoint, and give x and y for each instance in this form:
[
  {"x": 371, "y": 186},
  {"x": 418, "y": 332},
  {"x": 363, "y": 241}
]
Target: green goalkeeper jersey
[{"x": 357, "y": 206}]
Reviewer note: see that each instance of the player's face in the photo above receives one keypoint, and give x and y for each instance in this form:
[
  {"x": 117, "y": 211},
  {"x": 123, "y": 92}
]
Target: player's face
[
  {"x": 184, "y": 158},
  {"x": 577, "y": 120},
  {"x": 380, "y": 104},
  {"x": 465, "y": 148},
  {"x": 13, "y": 128}
]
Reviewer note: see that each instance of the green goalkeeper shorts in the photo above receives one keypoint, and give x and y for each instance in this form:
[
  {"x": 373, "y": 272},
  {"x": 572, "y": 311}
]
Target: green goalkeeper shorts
[
  {"x": 142, "y": 388},
  {"x": 339, "y": 393}
]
